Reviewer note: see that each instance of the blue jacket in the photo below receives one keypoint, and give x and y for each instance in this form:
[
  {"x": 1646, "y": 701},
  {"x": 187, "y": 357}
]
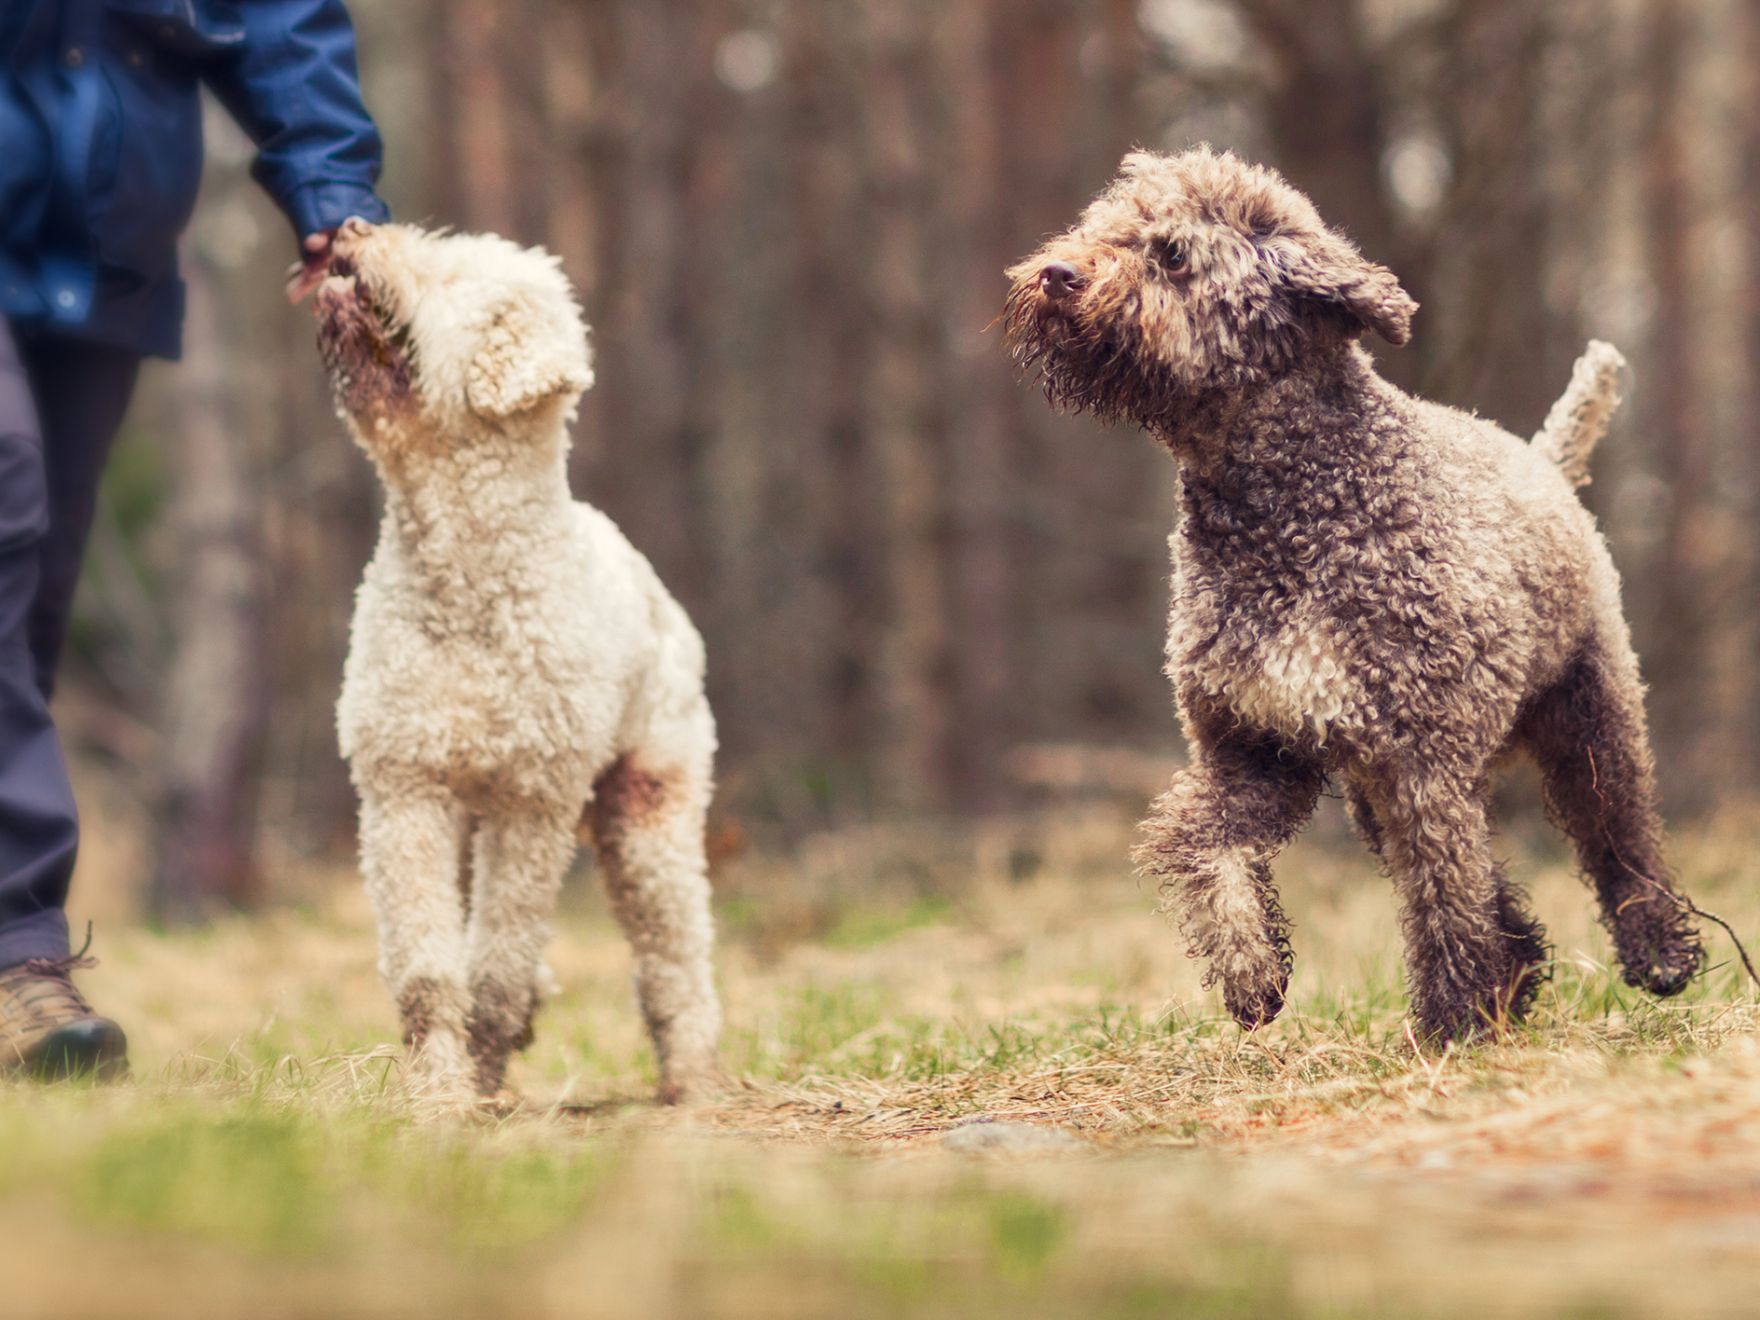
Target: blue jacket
[{"x": 101, "y": 145}]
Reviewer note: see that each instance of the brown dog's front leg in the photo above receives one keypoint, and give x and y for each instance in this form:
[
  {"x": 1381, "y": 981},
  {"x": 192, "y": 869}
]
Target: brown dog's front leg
[
  {"x": 1530, "y": 954},
  {"x": 1208, "y": 842},
  {"x": 1461, "y": 963}
]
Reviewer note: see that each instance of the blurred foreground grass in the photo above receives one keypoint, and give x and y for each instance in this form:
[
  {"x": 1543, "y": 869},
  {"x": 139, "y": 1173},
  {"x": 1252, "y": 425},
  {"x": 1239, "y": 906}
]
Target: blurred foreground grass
[{"x": 888, "y": 996}]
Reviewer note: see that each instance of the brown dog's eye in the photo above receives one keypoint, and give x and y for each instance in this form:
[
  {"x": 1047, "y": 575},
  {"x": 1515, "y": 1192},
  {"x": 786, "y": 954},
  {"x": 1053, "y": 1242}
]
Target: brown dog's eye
[{"x": 1171, "y": 256}]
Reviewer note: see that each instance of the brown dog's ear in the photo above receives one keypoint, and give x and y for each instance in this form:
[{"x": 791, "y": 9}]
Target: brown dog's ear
[
  {"x": 521, "y": 362},
  {"x": 1328, "y": 269}
]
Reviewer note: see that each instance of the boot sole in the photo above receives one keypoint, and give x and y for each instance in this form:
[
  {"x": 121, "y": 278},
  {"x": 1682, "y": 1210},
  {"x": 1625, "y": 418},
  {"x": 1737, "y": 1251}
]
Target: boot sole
[{"x": 95, "y": 1050}]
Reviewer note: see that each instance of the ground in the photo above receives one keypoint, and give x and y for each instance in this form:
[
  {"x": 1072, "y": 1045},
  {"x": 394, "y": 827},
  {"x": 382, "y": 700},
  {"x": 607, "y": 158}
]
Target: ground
[{"x": 898, "y": 1002}]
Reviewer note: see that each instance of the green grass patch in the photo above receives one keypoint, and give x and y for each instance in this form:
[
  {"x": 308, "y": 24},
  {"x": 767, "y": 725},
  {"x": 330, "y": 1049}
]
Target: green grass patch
[{"x": 859, "y": 929}]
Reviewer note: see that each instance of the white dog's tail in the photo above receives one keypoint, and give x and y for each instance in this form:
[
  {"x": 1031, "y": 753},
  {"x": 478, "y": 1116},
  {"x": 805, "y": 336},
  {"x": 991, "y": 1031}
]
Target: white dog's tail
[{"x": 1581, "y": 416}]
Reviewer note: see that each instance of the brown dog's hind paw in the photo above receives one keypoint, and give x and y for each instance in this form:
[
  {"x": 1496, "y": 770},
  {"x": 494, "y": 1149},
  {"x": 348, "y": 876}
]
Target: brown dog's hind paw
[
  {"x": 1662, "y": 954},
  {"x": 1669, "y": 971}
]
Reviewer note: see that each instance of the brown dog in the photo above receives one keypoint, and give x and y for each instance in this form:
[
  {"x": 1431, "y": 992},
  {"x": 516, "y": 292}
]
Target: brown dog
[{"x": 1365, "y": 586}]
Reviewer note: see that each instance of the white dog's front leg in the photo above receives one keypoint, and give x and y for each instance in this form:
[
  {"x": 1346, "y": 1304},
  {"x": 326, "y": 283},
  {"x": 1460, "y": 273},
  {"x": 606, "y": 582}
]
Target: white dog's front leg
[
  {"x": 409, "y": 859},
  {"x": 521, "y": 856}
]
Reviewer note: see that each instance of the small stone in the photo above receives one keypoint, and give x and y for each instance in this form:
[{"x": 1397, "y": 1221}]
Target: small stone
[{"x": 993, "y": 1136}]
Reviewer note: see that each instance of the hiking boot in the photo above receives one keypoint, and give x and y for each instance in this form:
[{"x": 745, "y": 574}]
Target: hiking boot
[{"x": 49, "y": 1032}]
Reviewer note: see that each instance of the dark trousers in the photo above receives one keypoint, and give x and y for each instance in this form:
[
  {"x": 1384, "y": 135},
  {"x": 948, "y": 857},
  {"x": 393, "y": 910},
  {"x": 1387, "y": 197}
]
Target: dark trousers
[{"x": 61, "y": 402}]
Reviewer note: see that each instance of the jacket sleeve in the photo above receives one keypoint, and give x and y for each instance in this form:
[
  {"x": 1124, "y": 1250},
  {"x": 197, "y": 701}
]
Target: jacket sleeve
[{"x": 294, "y": 86}]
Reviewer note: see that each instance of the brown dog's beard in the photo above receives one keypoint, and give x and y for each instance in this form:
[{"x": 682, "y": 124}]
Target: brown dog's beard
[
  {"x": 1086, "y": 365},
  {"x": 367, "y": 360}
]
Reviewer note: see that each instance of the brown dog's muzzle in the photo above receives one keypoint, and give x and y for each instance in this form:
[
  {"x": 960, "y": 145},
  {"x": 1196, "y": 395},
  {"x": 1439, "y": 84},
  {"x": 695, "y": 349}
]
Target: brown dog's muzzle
[{"x": 1058, "y": 279}]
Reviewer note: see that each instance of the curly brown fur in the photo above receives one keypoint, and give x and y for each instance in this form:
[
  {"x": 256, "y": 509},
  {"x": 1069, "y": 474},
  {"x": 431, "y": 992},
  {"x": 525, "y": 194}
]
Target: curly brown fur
[
  {"x": 1209, "y": 841},
  {"x": 1530, "y": 954},
  {"x": 1582, "y": 414},
  {"x": 1587, "y": 735},
  {"x": 1365, "y": 586}
]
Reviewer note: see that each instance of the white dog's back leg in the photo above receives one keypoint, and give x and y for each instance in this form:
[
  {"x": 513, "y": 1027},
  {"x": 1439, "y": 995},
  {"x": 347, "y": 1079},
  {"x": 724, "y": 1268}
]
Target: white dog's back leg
[
  {"x": 518, "y": 865},
  {"x": 648, "y": 820},
  {"x": 409, "y": 860}
]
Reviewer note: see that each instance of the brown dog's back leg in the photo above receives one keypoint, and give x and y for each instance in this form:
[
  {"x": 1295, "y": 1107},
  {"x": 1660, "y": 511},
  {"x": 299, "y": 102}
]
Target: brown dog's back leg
[{"x": 1588, "y": 735}]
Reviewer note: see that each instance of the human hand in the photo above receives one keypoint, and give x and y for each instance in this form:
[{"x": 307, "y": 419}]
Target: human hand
[{"x": 314, "y": 263}]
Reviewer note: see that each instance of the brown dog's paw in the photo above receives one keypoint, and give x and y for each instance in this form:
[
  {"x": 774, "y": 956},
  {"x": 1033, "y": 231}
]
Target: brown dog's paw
[
  {"x": 1658, "y": 949},
  {"x": 1437, "y": 1031},
  {"x": 1669, "y": 969},
  {"x": 1457, "y": 1014},
  {"x": 1255, "y": 1005}
]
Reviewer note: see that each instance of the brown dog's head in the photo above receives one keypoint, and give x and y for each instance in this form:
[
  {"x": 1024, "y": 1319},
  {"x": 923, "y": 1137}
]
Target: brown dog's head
[{"x": 1188, "y": 275}]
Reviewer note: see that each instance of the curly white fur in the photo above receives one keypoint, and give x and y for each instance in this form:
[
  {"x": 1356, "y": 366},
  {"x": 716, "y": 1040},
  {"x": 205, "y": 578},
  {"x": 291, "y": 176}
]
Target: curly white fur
[{"x": 513, "y": 661}]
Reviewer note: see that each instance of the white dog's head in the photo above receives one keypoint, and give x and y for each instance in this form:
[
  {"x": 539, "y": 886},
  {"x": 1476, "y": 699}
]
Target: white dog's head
[{"x": 439, "y": 338}]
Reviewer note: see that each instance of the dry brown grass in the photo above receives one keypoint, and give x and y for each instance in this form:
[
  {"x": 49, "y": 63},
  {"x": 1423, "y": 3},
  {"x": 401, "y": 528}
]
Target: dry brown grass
[{"x": 882, "y": 989}]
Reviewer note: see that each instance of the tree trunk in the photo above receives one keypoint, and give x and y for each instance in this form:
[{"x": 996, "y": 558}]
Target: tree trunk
[
  {"x": 982, "y": 472},
  {"x": 1327, "y": 112},
  {"x": 216, "y": 701},
  {"x": 1488, "y": 273},
  {"x": 1677, "y": 651},
  {"x": 904, "y": 404},
  {"x": 1748, "y": 417},
  {"x": 827, "y": 229}
]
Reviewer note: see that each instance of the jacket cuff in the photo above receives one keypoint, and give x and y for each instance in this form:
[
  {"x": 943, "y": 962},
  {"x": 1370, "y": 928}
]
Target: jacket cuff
[{"x": 320, "y": 206}]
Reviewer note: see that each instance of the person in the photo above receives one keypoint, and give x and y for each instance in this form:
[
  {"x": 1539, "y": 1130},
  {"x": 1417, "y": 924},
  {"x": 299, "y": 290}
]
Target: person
[{"x": 100, "y": 158}]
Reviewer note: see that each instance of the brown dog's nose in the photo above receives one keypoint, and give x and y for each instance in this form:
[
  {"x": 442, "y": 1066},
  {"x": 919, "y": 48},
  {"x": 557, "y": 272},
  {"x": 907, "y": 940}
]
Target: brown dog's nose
[{"x": 1059, "y": 278}]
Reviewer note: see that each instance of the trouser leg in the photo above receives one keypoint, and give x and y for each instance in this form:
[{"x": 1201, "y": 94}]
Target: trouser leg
[
  {"x": 39, "y": 830},
  {"x": 82, "y": 392}
]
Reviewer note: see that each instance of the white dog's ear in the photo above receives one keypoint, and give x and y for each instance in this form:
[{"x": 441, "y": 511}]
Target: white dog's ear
[
  {"x": 1327, "y": 268},
  {"x": 522, "y": 362}
]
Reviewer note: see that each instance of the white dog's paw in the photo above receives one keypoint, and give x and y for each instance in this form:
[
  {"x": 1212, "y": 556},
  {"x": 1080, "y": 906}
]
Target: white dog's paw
[{"x": 439, "y": 1076}]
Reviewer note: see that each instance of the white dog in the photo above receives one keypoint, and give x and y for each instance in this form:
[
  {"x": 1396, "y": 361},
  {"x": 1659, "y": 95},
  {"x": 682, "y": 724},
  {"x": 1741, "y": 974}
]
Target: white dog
[{"x": 512, "y": 660}]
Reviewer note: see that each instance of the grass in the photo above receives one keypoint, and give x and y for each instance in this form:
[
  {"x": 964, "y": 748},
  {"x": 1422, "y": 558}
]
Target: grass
[{"x": 884, "y": 990}]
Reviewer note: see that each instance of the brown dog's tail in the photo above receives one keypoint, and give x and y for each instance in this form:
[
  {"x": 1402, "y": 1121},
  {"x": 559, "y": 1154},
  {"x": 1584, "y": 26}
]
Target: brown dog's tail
[{"x": 1580, "y": 417}]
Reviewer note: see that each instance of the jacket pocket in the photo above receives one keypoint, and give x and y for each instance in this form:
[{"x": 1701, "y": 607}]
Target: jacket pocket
[
  {"x": 145, "y": 167},
  {"x": 185, "y": 27}
]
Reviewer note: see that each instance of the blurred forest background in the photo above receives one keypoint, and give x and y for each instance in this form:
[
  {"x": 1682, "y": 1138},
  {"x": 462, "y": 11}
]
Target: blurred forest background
[{"x": 788, "y": 221}]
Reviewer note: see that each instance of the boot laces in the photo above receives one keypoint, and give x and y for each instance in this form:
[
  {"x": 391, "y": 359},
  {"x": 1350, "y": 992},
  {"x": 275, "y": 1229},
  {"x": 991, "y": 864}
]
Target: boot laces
[{"x": 43, "y": 988}]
